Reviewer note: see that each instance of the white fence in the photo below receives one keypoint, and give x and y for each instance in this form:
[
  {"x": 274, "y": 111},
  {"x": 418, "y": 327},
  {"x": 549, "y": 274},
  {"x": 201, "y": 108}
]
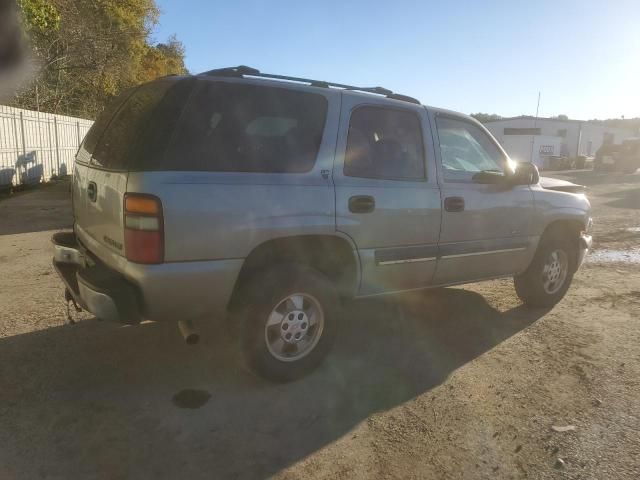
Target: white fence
[{"x": 35, "y": 146}]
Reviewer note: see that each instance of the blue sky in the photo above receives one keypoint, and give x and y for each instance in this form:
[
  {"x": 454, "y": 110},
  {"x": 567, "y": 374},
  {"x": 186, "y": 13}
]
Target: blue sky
[{"x": 584, "y": 56}]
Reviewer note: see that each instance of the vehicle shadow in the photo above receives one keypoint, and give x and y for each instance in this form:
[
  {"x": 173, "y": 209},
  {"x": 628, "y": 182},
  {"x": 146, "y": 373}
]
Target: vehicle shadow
[{"x": 95, "y": 400}]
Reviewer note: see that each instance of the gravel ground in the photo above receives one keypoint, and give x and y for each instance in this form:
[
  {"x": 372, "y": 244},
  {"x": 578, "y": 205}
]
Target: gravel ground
[{"x": 451, "y": 383}]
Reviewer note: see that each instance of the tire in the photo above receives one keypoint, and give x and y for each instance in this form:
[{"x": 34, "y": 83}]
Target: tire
[
  {"x": 291, "y": 298},
  {"x": 534, "y": 287}
]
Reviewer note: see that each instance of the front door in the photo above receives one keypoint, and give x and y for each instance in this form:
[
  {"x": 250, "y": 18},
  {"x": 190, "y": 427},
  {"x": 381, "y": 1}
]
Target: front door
[
  {"x": 387, "y": 197},
  {"x": 485, "y": 228}
]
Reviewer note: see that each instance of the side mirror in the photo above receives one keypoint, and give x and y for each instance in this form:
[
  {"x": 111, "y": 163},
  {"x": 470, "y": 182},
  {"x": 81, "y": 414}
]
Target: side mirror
[{"x": 526, "y": 174}]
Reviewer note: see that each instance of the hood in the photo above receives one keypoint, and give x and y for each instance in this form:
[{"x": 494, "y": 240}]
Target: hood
[{"x": 549, "y": 183}]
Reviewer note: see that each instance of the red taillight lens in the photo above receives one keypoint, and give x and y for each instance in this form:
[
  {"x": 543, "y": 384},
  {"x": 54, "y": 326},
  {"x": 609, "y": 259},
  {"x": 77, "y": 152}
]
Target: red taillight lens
[
  {"x": 143, "y": 228},
  {"x": 143, "y": 247}
]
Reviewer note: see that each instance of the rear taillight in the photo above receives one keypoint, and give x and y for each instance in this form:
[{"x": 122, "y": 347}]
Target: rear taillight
[{"x": 143, "y": 228}]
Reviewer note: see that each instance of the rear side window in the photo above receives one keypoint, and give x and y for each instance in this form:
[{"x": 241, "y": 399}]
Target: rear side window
[
  {"x": 140, "y": 129},
  {"x": 246, "y": 128},
  {"x": 384, "y": 143}
]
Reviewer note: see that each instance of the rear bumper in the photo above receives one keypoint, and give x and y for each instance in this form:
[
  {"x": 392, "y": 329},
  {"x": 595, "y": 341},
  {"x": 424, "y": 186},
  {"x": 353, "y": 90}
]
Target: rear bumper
[
  {"x": 163, "y": 292},
  {"x": 101, "y": 304},
  {"x": 584, "y": 246},
  {"x": 95, "y": 288}
]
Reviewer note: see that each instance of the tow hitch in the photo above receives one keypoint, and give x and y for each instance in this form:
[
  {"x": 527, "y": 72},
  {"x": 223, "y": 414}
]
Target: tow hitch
[{"x": 71, "y": 301}]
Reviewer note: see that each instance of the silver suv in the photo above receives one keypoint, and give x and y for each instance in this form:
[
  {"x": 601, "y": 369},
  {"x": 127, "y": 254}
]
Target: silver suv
[{"x": 273, "y": 199}]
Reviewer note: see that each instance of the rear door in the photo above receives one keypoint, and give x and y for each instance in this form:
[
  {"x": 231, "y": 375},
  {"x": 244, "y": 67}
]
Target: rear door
[
  {"x": 134, "y": 138},
  {"x": 387, "y": 198},
  {"x": 486, "y": 229},
  {"x": 83, "y": 160}
]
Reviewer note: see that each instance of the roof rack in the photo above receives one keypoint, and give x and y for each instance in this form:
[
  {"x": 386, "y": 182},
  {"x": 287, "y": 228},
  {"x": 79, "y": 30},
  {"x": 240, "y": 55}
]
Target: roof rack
[{"x": 243, "y": 70}]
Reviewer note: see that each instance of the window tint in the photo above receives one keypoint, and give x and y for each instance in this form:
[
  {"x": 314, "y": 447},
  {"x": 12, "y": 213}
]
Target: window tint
[
  {"x": 246, "y": 128},
  {"x": 465, "y": 148},
  {"x": 384, "y": 143},
  {"x": 97, "y": 129},
  {"x": 140, "y": 129}
]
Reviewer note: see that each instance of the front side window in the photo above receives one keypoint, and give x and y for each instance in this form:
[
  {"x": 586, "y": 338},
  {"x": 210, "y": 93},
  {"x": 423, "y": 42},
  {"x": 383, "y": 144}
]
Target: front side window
[
  {"x": 230, "y": 127},
  {"x": 466, "y": 149},
  {"x": 384, "y": 143}
]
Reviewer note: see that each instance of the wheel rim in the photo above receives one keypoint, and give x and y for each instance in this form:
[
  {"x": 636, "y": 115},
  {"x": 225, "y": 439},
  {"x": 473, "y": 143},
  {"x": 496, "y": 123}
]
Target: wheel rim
[
  {"x": 294, "y": 327},
  {"x": 555, "y": 271}
]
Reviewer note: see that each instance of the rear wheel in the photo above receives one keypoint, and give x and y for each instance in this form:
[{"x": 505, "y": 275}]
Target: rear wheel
[
  {"x": 289, "y": 322},
  {"x": 550, "y": 274}
]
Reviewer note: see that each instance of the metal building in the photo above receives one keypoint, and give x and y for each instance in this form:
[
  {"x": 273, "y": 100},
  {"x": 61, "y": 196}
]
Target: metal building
[{"x": 527, "y": 138}]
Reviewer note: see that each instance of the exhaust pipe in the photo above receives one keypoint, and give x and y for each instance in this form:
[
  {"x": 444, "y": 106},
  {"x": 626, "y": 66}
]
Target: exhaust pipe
[{"x": 188, "y": 331}]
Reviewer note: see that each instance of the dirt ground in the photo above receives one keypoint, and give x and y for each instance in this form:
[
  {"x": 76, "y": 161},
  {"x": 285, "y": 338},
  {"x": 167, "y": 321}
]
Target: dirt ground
[{"x": 453, "y": 383}]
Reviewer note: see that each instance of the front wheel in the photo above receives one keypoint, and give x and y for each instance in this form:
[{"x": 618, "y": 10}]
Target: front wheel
[
  {"x": 549, "y": 276},
  {"x": 289, "y": 322}
]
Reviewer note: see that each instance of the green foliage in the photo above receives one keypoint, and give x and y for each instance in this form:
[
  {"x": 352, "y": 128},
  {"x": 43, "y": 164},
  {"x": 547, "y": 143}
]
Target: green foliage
[
  {"x": 486, "y": 117},
  {"x": 88, "y": 51},
  {"x": 39, "y": 16},
  {"x": 162, "y": 59}
]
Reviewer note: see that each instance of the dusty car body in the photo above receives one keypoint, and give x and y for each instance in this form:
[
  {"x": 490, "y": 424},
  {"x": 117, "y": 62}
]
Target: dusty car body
[{"x": 276, "y": 198}]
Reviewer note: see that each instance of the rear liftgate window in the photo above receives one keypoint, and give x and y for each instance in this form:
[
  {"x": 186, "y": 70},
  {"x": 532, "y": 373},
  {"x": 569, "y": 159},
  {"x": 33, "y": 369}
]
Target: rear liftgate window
[
  {"x": 246, "y": 128},
  {"x": 100, "y": 125},
  {"x": 138, "y": 134}
]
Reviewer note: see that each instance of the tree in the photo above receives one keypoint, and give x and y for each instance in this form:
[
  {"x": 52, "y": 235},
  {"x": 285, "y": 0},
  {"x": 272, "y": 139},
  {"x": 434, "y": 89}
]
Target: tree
[
  {"x": 562, "y": 117},
  {"x": 87, "y": 51},
  {"x": 486, "y": 117},
  {"x": 162, "y": 59}
]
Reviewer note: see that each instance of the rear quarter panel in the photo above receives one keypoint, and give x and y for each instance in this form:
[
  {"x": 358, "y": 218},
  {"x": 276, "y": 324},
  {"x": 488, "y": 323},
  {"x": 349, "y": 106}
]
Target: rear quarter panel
[
  {"x": 214, "y": 215},
  {"x": 210, "y": 216}
]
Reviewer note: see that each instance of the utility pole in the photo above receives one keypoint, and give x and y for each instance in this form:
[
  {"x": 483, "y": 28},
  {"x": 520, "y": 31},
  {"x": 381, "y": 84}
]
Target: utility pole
[{"x": 535, "y": 121}]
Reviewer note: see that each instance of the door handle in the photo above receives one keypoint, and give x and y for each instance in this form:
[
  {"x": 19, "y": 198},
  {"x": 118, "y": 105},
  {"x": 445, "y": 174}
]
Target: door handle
[
  {"x": 92, "y": 191},
  {"x": 454, "y": 204},
  {"x": 362, "y": 204}
]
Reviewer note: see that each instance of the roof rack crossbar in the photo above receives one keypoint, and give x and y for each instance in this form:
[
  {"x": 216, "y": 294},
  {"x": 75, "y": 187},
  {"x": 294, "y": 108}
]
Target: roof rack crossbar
[{"x": 243, "y": 70}]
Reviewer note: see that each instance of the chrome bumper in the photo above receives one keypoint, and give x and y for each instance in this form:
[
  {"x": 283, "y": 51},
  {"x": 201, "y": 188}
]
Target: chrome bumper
[
  {"x": 66, "y": 254},
  {"x": 100, "y": 304},
  {"x": 103, "y": 295},
  {"x": 584, "y": 246}
]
